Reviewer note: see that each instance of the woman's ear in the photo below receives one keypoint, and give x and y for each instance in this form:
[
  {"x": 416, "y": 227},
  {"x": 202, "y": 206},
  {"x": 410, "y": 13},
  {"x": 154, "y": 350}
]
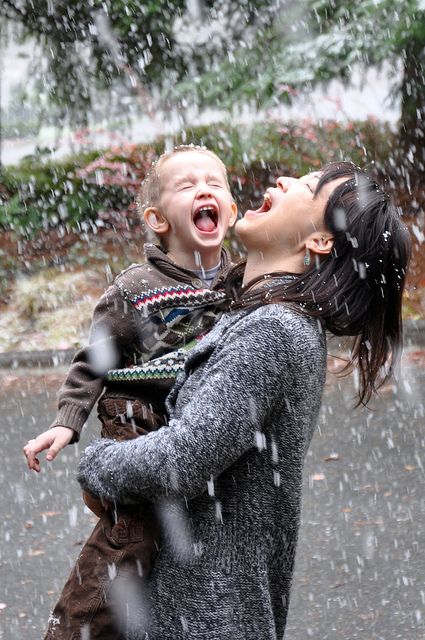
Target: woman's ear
[
  {"x": 321, "y": 245},
  {"x": 155, "y": 221}
]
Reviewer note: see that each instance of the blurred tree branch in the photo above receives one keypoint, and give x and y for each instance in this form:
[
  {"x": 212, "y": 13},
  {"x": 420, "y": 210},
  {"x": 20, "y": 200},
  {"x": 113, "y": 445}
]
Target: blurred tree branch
[
  {"x": 312, "y": 42},
  {"x": 144, "y": 45}
]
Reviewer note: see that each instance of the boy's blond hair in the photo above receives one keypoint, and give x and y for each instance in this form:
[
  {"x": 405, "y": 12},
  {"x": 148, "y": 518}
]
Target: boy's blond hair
[{"x": 150, "y": 189}]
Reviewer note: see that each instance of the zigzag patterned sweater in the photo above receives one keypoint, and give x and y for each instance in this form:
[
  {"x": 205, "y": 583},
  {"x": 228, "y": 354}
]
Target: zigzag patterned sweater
[
  {"x": 226, "y": 473},
  {"x": 150, "y": 310}
]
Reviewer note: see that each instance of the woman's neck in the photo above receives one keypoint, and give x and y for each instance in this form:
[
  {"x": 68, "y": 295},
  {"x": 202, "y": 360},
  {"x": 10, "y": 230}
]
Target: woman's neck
[{"x": 258, "y": 265}]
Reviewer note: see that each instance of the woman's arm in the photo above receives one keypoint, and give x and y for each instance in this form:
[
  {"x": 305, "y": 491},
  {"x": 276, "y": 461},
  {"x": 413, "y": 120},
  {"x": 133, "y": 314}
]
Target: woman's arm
[{"x": 220, "y": 422}]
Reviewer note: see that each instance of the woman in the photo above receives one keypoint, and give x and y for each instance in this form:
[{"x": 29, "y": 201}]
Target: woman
[{"x": 324, "y": 251}]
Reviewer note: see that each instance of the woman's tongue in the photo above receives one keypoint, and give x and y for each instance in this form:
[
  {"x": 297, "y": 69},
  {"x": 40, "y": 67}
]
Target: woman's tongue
[{"x": 204, "y": 222}]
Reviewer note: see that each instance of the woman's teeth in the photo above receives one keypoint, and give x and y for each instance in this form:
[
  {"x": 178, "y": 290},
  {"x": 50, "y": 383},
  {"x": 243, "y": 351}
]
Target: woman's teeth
[
  {"x": 265, "y": 207},
  {"x": 267, "y": 204}
]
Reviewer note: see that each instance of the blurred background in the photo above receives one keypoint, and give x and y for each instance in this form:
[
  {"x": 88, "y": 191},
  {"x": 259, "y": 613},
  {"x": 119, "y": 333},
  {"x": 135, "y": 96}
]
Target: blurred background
[{"x": 91, "y": 92}]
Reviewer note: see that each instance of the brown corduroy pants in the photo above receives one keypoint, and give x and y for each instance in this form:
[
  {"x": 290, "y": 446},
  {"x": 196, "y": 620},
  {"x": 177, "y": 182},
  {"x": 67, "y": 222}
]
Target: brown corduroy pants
[{"x": 97, "y": 601}]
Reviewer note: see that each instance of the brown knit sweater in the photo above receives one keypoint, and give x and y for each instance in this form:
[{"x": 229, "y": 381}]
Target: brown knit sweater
[{"x": 149, "y": 310}]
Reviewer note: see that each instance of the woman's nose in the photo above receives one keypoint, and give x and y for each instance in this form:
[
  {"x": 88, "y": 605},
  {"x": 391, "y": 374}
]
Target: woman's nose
[{"x": 283, "y": 183}]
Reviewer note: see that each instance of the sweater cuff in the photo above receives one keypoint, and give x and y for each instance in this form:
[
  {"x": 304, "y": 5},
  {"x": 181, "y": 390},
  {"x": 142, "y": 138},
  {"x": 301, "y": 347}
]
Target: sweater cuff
[{"x": 72, "y": 416}]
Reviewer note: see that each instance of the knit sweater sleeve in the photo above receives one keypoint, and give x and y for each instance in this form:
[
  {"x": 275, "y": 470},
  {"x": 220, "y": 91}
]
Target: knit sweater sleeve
[
  {"x": 247, "y": 376},
  {"x": 113, "y": 328}
]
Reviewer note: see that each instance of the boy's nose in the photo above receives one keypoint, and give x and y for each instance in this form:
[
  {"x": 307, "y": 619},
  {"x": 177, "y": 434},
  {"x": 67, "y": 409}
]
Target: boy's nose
[{"x": 204, "y": 191}]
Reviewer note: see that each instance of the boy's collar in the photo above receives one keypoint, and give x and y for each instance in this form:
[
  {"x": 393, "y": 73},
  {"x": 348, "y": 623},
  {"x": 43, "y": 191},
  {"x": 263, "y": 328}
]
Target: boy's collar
[{"x": 154, "y": 252}]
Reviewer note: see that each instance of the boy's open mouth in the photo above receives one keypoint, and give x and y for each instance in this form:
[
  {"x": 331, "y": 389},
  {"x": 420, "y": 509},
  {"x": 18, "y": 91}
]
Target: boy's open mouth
[{"x": 206, "y": 219}]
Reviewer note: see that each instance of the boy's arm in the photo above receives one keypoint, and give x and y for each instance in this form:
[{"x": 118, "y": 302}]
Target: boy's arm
[{"x": 113, "y": 329}]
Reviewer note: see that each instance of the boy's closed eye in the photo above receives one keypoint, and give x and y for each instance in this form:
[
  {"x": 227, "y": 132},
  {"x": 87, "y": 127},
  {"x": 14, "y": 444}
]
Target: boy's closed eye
[
  {"x": 215, "y": 181},
  {"x": 185, "y": 185}
]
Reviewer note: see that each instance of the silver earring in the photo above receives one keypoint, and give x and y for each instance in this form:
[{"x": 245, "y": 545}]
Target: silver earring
[{"x": 307, "y": 257}]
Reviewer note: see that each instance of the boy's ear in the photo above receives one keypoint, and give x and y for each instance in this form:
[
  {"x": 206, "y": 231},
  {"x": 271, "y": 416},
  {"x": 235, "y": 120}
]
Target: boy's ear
[
  {"x": 322, "y": 245},
  {"x": 155, "y": 220},
  {"x": 234, "y": 214}
]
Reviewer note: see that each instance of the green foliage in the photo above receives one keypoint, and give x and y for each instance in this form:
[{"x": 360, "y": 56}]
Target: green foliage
[
  {"x": 36, "y": 196},
  {"x": 294, "y": 146}
]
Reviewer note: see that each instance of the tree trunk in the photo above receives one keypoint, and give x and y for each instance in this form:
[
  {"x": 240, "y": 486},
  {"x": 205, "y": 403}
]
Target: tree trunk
[{"x": 412, "y": 122}]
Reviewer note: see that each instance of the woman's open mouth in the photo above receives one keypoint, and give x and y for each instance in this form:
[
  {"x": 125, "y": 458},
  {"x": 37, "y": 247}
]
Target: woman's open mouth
[
  {"x": 266, "y": 205},
  {"x": 206, "y": 219}
]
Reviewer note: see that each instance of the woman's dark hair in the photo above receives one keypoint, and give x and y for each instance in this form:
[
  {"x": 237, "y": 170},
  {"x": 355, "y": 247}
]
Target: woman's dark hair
[{"x": 357, "y": 289}]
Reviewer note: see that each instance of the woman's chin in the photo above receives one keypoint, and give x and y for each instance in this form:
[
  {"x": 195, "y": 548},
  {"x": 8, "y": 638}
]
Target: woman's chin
[
  {"x": 242, "y": 230},
  {"x": 241, "y": 237},
  {"x": 242, "y": 226},
  {"x": 248, "y": 231}
]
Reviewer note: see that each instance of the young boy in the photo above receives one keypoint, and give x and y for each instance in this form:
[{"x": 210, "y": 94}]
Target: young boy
[{"x": 149, "y": 311}]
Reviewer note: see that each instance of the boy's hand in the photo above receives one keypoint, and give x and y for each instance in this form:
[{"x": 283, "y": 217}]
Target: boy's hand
[
  {"x": 96, "y": 505},
  {"x": 53, "y": 439}
]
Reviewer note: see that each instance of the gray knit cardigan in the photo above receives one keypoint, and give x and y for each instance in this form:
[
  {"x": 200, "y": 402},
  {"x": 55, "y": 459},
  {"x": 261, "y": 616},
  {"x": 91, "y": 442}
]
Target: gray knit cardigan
[{"x": 226, "y": 474}]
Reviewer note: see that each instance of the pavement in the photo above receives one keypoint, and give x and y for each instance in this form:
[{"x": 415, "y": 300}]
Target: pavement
[{"x": 360, "y": 564}]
